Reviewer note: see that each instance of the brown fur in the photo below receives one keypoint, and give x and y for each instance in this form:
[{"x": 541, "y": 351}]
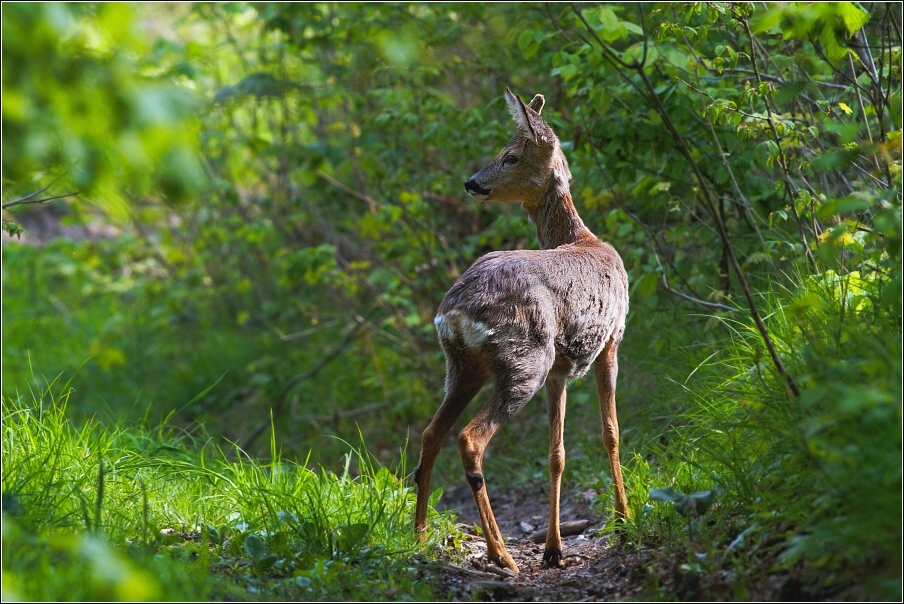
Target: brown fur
[{"x": 525, "y": 318}]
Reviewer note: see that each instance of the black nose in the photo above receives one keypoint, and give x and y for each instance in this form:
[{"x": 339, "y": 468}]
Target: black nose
[{"x": 471, "y": 186}]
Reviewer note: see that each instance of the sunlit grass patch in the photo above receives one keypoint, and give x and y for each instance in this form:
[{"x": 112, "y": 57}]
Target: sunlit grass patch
[{"x": 94, "y": 512}]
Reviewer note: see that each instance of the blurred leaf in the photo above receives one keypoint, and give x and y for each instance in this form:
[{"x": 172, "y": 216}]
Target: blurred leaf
[
  {"x": 665, "y": 495},
  {"x": 255, "y": 547}
]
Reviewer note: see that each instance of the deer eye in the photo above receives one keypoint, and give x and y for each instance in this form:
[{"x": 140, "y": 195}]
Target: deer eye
[{"x": 509, "y": 160}]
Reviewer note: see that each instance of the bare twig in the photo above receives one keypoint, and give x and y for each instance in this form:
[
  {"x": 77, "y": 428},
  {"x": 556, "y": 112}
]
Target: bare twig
[
  {"x": 27, "y": 199},
  {"x": 307, "y": 332},
  {"x": 372, "y": 203},
  {"x": 698, "y": 301},
  {"x": 327, "y": 417},
  {"x": 35, "y": 194}
]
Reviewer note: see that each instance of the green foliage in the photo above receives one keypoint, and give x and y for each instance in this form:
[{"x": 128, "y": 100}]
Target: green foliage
[
  {"x": 85, "y": 101},
  {"x": 808, "y": 464}
]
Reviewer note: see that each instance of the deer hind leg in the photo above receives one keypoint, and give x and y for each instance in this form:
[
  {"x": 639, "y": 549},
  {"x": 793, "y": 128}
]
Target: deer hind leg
[
  {"x": 555, "y": 406},
  {"x": 606, "y": 370},
  {"x": 462, "y": 384},
  {"x": 504, "y": 403}
]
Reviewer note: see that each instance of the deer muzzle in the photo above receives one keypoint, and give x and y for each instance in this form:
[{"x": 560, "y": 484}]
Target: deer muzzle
[{"x": 475, "y": 189}]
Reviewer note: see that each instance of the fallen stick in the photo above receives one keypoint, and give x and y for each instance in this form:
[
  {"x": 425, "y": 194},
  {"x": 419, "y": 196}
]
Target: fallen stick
[{"x": 566, "y": 529}]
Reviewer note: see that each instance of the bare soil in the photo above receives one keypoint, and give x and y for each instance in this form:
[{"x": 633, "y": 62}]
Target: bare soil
[{"x": 595, "y": 568}]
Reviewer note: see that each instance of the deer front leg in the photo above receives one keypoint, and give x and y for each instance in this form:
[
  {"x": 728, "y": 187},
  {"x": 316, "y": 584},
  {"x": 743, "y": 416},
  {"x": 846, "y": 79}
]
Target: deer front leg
[
  {"x": 606, "y": 370},
  {"x": 555, "y": 406},
  {"x": 460, "y": 389}
]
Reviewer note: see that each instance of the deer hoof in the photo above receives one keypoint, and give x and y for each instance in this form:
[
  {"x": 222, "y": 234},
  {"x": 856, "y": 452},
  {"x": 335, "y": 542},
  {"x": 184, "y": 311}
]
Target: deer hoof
[
  {"x": 504, "y": 560},
  {"x": 552, "y": 558}
]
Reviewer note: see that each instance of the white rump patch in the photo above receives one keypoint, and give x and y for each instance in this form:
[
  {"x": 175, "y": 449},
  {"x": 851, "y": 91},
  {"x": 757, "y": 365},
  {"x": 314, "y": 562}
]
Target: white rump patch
[
  {"x": 442, "y": 328},
  {"x": 455, "y": 325},
  {"x": 473, "y": 332}
]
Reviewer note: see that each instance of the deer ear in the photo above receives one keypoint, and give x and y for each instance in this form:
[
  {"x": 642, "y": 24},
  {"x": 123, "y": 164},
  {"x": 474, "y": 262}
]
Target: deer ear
[
  {"x": 537, "y": 103},
  {"x": 519, "y": 111}
]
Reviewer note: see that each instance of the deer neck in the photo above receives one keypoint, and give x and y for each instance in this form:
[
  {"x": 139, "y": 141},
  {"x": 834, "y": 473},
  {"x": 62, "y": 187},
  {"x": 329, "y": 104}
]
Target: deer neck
[{"x": 555, "y": 216}]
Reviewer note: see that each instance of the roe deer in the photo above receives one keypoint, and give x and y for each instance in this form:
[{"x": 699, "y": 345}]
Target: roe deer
[{"x": 528, "y": 317}]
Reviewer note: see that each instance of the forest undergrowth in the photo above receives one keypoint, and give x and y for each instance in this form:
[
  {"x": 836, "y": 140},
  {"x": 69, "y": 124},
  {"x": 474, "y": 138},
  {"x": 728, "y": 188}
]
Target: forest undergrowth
[
  {"x": 741, "y": 483},
  {"x": 227, "y": 228}
]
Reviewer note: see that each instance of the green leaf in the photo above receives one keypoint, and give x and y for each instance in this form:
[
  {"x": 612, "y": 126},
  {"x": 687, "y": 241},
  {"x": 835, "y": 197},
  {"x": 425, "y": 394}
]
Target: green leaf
[
  {"x": 844, "y": 205},
  {"x": 255, "y": 548},
  {"x": 634, "y": 54},
  {"x": 766, "y": 152},
  {"x": 789, "y": 92},
  {"x": 647, "y": 285},
  {"x": 853, "y": 16},
  {"x": 566, "y": 72},
  {"x": 766, "y": 20},
  {"x": 608, "y": 19},
  {"x": 831, "y": 160},
  {"x": 633, "y": 28},
  {"x": 435, "y": 497},
  {"x": 835, "y": 48},
  {"x": 665, "y": 495},
  {"x": 266, "y": 562},
  {"x": 351, "y": 537},
  {"x": 695, "y": 504},
  {"x": 211, "y": 533},
  {"x": 612, "y": 27}
]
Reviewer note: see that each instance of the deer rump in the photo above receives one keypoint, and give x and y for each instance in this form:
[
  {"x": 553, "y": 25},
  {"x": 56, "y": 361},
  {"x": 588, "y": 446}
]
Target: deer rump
[{"x": 528, "y": 314}]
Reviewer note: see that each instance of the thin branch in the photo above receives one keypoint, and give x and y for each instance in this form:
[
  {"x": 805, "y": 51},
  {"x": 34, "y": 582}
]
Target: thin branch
[
  {"x": 326, "y": 417},
  {"x": 372, "y": 203},
  {"x": 36, "y": 193},
  {"x": 655, "y": 240},
  {"x": 868, "y": 175},
  {"x": 307, "y": 332},
  {"x": 28, "y": 201},
  {"x": 782, "y": 81},
  {"x": 668, "y": 288},
  {"x": 735, "y": 109}
]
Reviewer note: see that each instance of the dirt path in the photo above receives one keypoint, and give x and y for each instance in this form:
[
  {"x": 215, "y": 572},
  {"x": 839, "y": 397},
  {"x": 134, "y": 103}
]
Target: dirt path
[
  {"x": 595, "y": 569},
  {"x": 599, "y": 568}
]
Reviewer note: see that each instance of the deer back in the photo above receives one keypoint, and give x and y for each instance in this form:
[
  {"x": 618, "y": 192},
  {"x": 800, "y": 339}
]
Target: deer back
[{"x": 568, "y": 301}]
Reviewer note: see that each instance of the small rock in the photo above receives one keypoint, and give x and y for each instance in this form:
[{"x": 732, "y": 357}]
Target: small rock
[
  {"x": 168, "y": 536},
  {"x": 526, "y": 527}
]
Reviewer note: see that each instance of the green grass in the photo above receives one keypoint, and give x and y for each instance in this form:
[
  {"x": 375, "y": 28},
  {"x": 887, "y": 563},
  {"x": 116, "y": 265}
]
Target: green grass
[{"x": 155, "y": 514}]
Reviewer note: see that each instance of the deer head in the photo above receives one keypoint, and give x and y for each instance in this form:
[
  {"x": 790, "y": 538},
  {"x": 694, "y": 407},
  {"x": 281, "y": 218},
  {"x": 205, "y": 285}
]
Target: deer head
[{"x": 530, "y": 163}]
